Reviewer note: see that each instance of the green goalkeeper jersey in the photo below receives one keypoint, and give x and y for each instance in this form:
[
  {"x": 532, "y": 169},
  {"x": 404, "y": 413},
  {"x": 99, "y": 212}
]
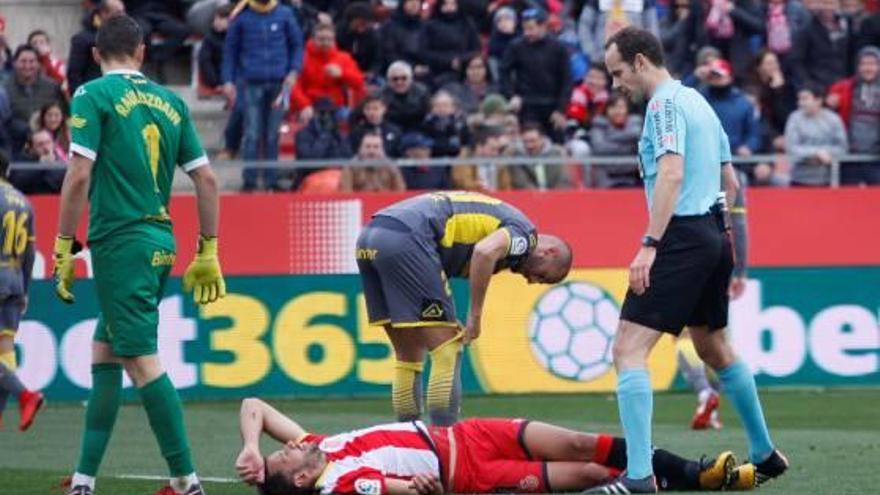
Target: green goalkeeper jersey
[{"x": 136, "y": 132}]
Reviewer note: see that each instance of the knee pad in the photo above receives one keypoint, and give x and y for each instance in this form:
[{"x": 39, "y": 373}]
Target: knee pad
[
  {"x": 444, "y": 384},
  {"x": 406, "y": 390},
  {"x": 8, "y": 360}
]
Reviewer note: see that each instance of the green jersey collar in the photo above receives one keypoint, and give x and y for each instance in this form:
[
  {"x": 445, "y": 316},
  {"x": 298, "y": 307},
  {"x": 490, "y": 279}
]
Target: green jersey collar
[{"x": 124, "y": 72}]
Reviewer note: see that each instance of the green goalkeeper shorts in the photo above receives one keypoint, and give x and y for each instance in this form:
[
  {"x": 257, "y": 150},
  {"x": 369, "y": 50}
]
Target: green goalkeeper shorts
[{"x": 130, "y": 273}]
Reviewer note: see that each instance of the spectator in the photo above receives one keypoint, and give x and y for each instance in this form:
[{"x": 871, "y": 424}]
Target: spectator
[
  {"x": 504, "y": 31},
  {"x": 407, "y": 100},
  {"x": 448, "y": 39},
  {"x": 493, "y": 112},
  {"x": 616, "y": 133},
  {"x": 699, "y": 78},
  {"x": 483, "y": 177},
  {"x": 53, "y": 68},
  {"x": 737, "y": 114},
  {"x": 600, "y": 20},
  {"x": 307, "y": 16},
  {"x": 200, "y": 16},
  {"x": 854, "y": 13},
  {"x": 416, "y": 147},
  {"x": 777, "y": 99},
  {"x": 730, "y": 26},
  {"x": 445, "y": 126},
  {"x": 321, "y": 138},
  {"x": 870, "y": 32},
  {"x": 211, "y": 51},
  {"x": 81, "y": 67},
  {"x": 822, "y": 50},
  {"x": 5, "y": 122},
  {"x": 28, "y": 92},
  {"x": 160, "y": 17},
  {"x": 784, "y": 19},
  {"x": 535, "y": 75},
  {"x": 5, "y": 53},
  {"x": 372, "y": 119},
  {"x": 475, "y": 86},
  {"x": 53, "y": 118},
  {"x": 676, "y": 45},
  {"x": 857, "y": 100},
  {"x": 400, "y": 36},
  {"x": 814, "y": 137},
  {"x": 589, "y": 98},
  {"x": 357, "y": 35},
  {"x": 327, "y": 72},
  {"x": 535, "y": 145},
  {"x": 40, "y": 149},
  {"x": 371, "y": 178},
  {"x": 266, "y": 68}
]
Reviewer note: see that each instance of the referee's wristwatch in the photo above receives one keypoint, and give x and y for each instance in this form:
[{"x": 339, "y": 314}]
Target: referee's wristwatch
[{"x": 648, "y": 241}]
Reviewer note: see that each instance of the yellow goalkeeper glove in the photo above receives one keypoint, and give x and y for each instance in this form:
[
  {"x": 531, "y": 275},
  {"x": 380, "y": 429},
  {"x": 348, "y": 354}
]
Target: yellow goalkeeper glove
[
  {"x": 203, "y": 275},
  {"x": 65, "y": 248}
]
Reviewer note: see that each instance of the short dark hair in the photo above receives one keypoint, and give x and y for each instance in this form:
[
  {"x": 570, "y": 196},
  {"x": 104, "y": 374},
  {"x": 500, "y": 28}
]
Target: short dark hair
[
  {"x": 631, "y": 41},
  {"x": 24, "y": 48},
  {"x": 4, "y": 163},
  {"x": 531, "y": 126},
  {"x": 614, "y": 98},
  {"x": 373, "y": 98},
  {"x": 119, "y": 37},
  {"x": 817, "y": 90},
  {"x": 37, "y": 32},
  {"x": 278, "y": 484},
  {"x": 484, "y": 133}
]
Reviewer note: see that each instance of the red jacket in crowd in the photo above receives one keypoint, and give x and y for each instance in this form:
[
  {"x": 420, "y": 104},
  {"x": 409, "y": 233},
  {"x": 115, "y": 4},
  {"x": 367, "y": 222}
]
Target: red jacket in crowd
[
  {"x": 315, "y": 82},
  {"x": 843, "y": 89}
]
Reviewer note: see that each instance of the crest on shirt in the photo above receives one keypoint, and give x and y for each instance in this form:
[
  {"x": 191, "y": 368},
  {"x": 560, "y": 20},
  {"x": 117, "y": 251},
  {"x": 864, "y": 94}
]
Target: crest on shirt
[
  {"x": 529, "y": 483},
  {"x": 77, "y": 122},
  {"x": 519, "y": 246},
  {"x": 368, "y": 487},
  {"x": 79, "y": 91}
]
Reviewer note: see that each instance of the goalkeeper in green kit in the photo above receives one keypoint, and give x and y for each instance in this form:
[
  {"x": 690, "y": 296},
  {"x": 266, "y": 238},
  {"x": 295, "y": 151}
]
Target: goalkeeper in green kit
[{"x": 128, "y": 136}]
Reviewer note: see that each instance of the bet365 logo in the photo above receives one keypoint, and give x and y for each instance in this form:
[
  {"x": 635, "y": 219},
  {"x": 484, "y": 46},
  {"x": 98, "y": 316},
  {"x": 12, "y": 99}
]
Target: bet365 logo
[{"x": 571, "y": 328}]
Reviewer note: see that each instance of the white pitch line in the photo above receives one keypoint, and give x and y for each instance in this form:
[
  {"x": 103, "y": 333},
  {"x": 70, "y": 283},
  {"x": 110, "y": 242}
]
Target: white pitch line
[{"x": 150, "y": 477}]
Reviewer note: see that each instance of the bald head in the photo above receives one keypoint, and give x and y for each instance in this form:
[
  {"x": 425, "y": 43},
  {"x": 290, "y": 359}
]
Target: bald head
[{"x": 549, "y": 263}]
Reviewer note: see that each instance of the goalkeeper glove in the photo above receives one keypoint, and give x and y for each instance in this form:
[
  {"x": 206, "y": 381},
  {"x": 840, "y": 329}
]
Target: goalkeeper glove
[
  {"x": 203, "y": 275},
  {"x": 65, "y": 248}
]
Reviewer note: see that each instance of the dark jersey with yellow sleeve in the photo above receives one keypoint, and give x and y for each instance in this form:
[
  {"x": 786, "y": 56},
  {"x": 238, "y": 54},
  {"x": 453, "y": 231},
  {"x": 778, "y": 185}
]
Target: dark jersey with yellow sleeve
[
  {"x": 16, "y": 241},
  {"x": 456, "y": 221}
]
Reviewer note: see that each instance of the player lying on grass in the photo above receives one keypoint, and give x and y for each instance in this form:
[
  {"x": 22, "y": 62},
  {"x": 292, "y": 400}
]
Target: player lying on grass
[{"x": 472, "y": 456}]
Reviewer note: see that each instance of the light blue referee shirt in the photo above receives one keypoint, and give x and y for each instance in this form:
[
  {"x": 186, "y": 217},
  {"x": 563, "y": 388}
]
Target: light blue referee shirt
[{"x": 680, "y": 121}]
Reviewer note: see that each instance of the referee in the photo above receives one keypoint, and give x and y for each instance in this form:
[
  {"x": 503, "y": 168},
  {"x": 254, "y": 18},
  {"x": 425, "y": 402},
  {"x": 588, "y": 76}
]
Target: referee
[{"x": 681, "y": 272}]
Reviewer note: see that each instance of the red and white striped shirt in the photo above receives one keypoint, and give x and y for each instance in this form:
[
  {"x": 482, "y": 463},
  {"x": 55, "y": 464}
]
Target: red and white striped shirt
[{"x": 359, "y": 462}]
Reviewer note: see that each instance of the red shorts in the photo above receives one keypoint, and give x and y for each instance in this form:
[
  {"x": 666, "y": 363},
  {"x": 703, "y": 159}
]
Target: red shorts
[{"x": 489, "y": 455}]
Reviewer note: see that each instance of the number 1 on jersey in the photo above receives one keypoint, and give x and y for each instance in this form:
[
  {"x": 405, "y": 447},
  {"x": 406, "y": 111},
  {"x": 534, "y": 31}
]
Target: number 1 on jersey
[{"x": 151, "y": 137}]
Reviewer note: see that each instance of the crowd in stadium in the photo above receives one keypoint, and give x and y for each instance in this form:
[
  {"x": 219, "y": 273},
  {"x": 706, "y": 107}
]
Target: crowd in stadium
[{"x": 796, "y": 80}]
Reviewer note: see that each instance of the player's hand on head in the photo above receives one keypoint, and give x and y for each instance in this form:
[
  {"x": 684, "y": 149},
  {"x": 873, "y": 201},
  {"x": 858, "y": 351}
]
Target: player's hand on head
[
  {"x": 426, "y": 484},
  {"x": 203, "y": 276},
  {"x": 65, "y": 248},
  {"x": 250, "y": 465},
  {"x": 640, "y": 270}
]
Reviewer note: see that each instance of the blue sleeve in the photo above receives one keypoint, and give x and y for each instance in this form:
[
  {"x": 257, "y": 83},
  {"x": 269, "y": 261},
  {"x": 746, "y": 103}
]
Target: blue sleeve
[
  {"x": 725, "y": 145},
  {"x": 668, "y": 126},
  {"x": 232, "y": 51},
  {"x": 294, "y": 44}
]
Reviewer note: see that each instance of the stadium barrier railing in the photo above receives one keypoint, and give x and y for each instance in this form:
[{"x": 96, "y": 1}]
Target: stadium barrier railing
[{"x": 230, "y": 171}]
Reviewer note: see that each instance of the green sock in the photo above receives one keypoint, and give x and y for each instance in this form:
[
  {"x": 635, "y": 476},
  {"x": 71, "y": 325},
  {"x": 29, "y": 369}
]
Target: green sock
[
  {"x": 101, "y": 412},
  {"x": 166, "y": 418}
]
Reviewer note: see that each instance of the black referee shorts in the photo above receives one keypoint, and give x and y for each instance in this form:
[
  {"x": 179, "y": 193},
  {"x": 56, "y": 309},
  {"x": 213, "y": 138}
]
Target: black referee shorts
[{"x": 689, "y": 279}]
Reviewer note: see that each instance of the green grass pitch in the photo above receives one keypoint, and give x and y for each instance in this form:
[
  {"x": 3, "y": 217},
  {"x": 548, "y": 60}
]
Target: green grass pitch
[{"x": 831, "y": 437}]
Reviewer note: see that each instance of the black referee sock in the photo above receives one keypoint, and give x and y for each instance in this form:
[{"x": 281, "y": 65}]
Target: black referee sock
[{"x": 672, "y": 472}]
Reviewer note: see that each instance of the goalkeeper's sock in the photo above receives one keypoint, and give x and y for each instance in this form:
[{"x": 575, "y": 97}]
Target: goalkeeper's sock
[
  {"x": 635, "y": 403},
  {"x": 9, "y": 381},
  {"x": 166, "y": 419},
  {"x": 738, "y": 384},
  {"x": 101, "y": 412}
]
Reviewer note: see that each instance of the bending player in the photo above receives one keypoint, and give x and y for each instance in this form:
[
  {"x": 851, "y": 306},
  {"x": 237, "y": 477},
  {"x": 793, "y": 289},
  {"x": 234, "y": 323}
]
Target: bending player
[
  {"x": 472, "y": 456},
  {"x": 16, "y": 265},
  {"x": 405, "y": 255}
]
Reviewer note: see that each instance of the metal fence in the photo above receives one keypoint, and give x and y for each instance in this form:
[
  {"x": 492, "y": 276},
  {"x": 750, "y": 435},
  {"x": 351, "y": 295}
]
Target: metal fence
[{"x": 230, "y": 171}]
